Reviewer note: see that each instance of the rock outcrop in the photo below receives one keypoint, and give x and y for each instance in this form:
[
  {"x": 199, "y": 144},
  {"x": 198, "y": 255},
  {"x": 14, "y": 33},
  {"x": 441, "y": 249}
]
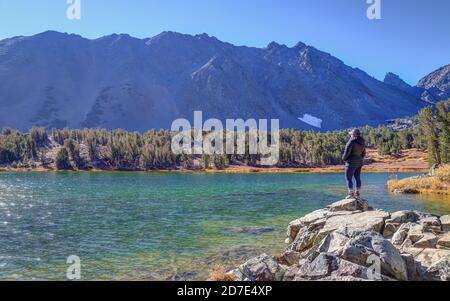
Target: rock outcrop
[
  {"x": 436, "y": 85},
  {"x": 349, "y": 241}
]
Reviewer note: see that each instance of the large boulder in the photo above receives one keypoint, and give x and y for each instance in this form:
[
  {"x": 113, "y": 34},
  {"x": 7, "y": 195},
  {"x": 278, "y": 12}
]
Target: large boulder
[
  {"x": 261, "y": 268},
  {"x": 369, "y": 248},
  {"x": 329, "y": 267},
  {"x": 416, "y": 232},
  {"x": 312, "y": 218},
  {"x": 306, "y": 237},
  {"x": 336, "y": 240},
  {"x": 341, "y": 208},
  {"x": 440, "y": 270},
  {"x": 397, "y": 219},
  {"x": 390, "y": 229},
  {"x": 348, "y": 270},
  {"x": 365, "y": 248},
  {"x": 415, "y": 271},
  {"x": 365, "y": 221},
  {"x": 316, "y": 228},
  {"x": 295, "y": 226},
  {"x": 401, "y": 235},
  {"x": 291, "y": 272},
  {"x": 349, "y": 205},
  {"x": 429, "y": 240},
  {"x": 445, "y": 222},
  {"x": 444, "y": 241},
  {"x": 291, "y": 257},
  {"x": 322, "y": 266},
  {"x": 431, "y": 223},
  {"x": 405, "y": 216},
  {"x": 422, "y": 235},
  {"x": 428, "y": 257}
]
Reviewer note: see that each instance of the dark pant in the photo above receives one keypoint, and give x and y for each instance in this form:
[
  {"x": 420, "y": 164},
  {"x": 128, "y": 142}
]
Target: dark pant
[{"x": 351, "y": 172}]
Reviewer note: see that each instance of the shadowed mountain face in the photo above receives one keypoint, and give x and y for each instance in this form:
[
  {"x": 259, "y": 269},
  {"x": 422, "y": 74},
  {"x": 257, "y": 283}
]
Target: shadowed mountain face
[{"x": 58, "y": 80}]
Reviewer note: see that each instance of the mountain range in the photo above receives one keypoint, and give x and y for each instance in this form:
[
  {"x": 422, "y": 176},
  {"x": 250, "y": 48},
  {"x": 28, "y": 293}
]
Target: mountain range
[{"x": 54, "y": 79}]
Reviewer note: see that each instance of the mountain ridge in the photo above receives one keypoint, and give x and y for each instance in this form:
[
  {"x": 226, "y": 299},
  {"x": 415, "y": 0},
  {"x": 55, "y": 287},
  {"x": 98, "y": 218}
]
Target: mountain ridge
[{"x": 55, "y": 79}]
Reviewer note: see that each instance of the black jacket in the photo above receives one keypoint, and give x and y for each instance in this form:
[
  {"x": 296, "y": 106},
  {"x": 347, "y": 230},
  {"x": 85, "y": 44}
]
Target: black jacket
[{"x": 355, "y": 151}]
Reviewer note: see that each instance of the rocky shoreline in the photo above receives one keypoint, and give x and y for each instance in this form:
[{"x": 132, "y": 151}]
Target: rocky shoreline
[{"x": 350, "y": 241}]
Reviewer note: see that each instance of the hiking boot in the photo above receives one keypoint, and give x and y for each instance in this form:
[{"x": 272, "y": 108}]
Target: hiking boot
[
  {"x": 357, "y": 194},
  {"x": 350, "y": 196}
]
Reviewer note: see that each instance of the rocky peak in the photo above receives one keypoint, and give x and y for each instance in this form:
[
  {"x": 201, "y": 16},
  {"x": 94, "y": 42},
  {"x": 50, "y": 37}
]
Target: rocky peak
[
  {"x": 117, "y": 38},
  {"x": 166, "y": 36},
  {"x": 437, "y": 79},
  {"x": 394, "y": 80},
  {"x": 52, "y": 34},
  {"x": 206, "y": 37},
  {"x": 300, "y": 45},
  {"x": 274, "y": 45},
  {"x": 436, "y": 85}
]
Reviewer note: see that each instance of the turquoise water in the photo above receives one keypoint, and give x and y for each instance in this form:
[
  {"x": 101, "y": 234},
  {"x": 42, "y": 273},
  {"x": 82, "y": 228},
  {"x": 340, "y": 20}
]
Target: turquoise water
[{"x": 153, "y": 226}]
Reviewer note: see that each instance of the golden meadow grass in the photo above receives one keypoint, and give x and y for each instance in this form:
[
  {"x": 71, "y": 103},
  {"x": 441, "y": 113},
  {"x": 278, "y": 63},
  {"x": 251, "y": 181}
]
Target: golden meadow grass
[{"x": 440, "y": 183}]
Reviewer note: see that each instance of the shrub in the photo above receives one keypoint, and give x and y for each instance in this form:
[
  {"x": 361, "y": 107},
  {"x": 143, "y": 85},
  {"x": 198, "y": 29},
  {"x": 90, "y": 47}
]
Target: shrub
[
  {"x": 220, "y": 274},
  {"x": 443, "y": 173}
]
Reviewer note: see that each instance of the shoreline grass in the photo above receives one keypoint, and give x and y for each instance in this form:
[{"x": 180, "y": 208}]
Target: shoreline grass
[
  {"x": 320, "y": 170},
  {"x": 437, "y": 184}
]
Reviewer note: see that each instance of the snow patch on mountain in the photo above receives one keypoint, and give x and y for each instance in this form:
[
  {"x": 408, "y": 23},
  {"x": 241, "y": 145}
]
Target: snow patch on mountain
[{"x": 311, "y": 120}]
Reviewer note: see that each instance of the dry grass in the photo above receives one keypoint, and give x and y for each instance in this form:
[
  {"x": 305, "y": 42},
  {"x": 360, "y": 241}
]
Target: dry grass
[
  {"x": 443, "y": 174},
  {"x": 440, "y": 183},
  {"x": 219, "y": 273}
]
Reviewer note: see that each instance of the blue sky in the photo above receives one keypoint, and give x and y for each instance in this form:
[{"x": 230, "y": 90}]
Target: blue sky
[{"x": 412, "y": 38}]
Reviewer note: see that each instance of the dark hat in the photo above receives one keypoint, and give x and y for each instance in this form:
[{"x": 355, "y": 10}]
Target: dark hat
[{"x": 355, "y": 133}]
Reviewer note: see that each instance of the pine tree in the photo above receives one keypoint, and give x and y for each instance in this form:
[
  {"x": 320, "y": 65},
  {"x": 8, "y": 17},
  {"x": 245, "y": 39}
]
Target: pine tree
[
  {"x": 205, "y": 160},
  {"x": 428, "y": 127},
  {"x": 443, "y": 118},
  {"x": 62, "y": 159},
  {"x": 43, "y": 156}
]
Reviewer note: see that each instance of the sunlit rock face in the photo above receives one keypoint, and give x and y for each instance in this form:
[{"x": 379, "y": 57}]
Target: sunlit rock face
[{"x": 436, "y": 86}]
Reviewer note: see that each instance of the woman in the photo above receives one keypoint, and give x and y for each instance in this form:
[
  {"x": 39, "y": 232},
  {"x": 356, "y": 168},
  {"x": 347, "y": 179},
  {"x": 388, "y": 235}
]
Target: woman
[{"x": 354, "y": 154}]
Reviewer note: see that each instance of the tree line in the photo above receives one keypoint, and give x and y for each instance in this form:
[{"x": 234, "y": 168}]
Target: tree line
[
  {"x": 124, "y": 150},
  {"x": 435, "y": 130}
]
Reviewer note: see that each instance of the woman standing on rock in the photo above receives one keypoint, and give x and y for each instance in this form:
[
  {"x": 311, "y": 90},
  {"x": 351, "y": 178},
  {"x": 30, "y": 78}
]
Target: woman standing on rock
[{"x": 354, "y": 154}]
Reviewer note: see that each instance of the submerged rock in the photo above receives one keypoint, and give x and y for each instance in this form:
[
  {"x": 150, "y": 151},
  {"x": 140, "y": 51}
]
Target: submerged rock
[
  {"x": 184, "y": 276},
  {"x": 255, "y": 230}
]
